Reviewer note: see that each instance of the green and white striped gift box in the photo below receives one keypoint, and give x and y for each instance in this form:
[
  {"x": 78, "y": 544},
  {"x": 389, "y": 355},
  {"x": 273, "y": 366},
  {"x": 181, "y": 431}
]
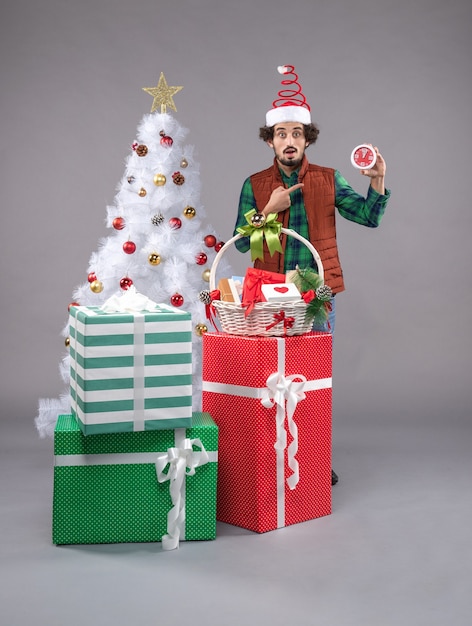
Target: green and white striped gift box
[
  {"x": 130, "y": 371},
  {"x": 107, "y": 489}
]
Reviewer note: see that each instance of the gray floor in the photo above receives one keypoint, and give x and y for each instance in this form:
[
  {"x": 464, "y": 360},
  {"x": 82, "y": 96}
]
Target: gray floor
[{"x": 396, "y": 550}]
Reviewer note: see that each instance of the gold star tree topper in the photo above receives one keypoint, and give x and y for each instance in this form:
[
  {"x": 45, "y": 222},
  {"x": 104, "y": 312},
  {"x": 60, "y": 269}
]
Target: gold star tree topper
[{"x": 162, "y": 94}]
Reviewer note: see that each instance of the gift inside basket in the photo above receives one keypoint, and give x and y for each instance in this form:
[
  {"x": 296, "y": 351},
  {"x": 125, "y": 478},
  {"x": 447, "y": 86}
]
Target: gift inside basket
[{"x": 267, "y": 319}]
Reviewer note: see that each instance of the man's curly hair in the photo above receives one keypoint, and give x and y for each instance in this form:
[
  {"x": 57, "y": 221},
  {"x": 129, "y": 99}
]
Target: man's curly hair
[{"x": 266, "y": 133}]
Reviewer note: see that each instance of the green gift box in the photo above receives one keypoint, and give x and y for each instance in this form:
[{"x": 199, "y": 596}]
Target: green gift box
[
  {"x": 135, "y": 487},
  {"x": 130, "y": 371}
]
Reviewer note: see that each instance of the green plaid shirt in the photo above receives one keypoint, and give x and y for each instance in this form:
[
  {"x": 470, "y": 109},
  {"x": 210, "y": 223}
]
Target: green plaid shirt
[{"x": 351, "y": 205}]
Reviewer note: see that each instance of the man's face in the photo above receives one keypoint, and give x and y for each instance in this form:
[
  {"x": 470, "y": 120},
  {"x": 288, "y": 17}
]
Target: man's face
[{"x": 289, "y": 144}]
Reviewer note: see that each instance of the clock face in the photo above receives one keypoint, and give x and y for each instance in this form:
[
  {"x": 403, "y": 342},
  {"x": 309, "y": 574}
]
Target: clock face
[{"x": 363, "y": 157}]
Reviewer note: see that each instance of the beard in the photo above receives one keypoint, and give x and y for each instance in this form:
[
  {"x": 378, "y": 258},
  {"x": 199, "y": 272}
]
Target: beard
[
  {"x": 290, "y": 162},
  {"x": 293, "y": 163}
]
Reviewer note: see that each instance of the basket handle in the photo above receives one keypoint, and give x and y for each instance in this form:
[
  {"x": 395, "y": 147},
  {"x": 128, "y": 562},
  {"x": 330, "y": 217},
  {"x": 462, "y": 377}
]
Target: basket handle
[{"x": 286, "y": 231}]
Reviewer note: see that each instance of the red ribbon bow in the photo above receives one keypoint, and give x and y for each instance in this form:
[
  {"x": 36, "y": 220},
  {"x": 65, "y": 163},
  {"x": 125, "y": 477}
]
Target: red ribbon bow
[
  {"x": 308, "y": 296},
  {"x": 280, "y": 317},
  {"x": 210, "y": 309}
]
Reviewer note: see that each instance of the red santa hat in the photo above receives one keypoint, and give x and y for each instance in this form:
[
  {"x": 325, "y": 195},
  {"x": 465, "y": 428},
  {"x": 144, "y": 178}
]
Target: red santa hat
[{"x": 291, "y": 104}]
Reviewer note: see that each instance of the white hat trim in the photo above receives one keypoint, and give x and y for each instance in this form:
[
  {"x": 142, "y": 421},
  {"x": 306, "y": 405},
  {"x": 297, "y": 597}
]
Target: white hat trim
[{"x": 288, "y": 114}]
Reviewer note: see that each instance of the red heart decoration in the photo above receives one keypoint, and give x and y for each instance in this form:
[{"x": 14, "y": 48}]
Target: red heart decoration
[{"x": 281, "y": 289}]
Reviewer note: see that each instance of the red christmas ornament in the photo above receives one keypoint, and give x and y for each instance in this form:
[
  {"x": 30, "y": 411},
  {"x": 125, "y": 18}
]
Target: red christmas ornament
[
  {"x": 125, "y": 283},
  {"x": 118, "y": 223},
  {"x": 72, "y": 304},
  {"x": 129, "y": 247},
  {"x": 134, "y": 145},
  {"x": 210, "y": 241},
  {"x": 201, "y": 258},
  {"x": 166, "y": 140},
  {"x": 91, "y": 277},
  {"x": 175, "y": 223},
  {"x": 219, "y": 245},
  {"x": 177, "y": 300}
]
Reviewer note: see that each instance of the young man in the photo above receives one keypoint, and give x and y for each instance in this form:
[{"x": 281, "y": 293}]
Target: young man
[{"x": 304, "y": 195}]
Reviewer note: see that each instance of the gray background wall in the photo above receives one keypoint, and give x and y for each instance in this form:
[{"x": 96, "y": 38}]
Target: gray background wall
[{"x": 394, "y": 73}]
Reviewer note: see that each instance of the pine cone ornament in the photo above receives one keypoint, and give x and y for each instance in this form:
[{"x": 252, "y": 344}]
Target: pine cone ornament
[
  {"x": 141, "y": 150},
  {"x": 157, "y": 219},
  {"x": 324, "y": 293},
  {"x": 178, "y": 178},
  {"x": 204, "y": 296}
]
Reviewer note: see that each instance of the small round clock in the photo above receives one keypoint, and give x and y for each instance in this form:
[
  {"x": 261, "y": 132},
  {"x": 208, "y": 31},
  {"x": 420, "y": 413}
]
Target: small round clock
[{"x": 363, "y": 157}]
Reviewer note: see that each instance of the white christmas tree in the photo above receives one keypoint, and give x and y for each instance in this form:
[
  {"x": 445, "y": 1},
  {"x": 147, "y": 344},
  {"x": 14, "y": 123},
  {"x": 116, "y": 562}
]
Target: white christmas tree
[{"x": 159, "y": 242}]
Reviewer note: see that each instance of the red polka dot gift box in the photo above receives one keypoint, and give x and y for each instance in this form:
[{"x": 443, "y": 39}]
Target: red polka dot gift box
[
  {"x": 271, "y": 400},
  {"x": 146, "y": 486}
]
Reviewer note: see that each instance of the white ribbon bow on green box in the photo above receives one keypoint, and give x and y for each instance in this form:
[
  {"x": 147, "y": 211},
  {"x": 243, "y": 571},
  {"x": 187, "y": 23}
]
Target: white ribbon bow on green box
[{"x": 182, "y": 462}]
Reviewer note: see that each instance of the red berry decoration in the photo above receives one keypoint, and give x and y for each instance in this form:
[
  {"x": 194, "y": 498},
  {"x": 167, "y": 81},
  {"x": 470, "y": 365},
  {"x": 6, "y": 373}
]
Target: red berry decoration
[
  {"x": 118, "y": 223},
  {"x": 129, "y": 247},
  {"x": 177, "y": 300},
  {"x": 125, "y": 283},
  {"x": 201, "y": 258},
  {"x": 72, "y": 304},
  {"x": 165, "y": 139},
  {"x": 175, "y": 222},
  {"x": 210, "y": 241},
  {"x": 219, "y": 245},
  {"x": 91, "y": 277}
]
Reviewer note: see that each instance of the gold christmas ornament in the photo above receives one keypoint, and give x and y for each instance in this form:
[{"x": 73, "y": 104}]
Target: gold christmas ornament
[
  {"x": 67, "y": 342},
  {"x": 142, "y": 192},
  {"x": 189, "y": 212},
  {"x": 96, "y": 286},
  {"x": 162, "y": 94},
  {"x": 184, "y": 162},
  {"x": 154, "y": 258},
  {"x": 258, "y": 220},
  {"x": 201, "y": 329},
  {"x": 206, "y": 275},
  {"x": 159, "y": 180}
]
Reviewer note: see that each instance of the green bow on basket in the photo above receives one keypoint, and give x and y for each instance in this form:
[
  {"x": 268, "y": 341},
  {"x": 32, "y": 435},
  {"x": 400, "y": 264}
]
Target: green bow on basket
[{"x": 257, "y": 228}]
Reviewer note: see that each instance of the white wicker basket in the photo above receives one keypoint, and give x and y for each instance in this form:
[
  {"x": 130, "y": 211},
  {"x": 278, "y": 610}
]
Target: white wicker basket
[{"x": 232, "y": 314}]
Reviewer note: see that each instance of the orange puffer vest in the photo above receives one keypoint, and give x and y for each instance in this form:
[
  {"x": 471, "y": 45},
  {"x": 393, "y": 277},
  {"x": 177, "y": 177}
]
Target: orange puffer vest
[{"x": 318, "y": 197}]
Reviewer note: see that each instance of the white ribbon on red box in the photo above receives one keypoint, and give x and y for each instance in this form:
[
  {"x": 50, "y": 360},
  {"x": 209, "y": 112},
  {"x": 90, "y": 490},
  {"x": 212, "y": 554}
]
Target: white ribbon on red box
[{"x": 285, "y": 392}]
